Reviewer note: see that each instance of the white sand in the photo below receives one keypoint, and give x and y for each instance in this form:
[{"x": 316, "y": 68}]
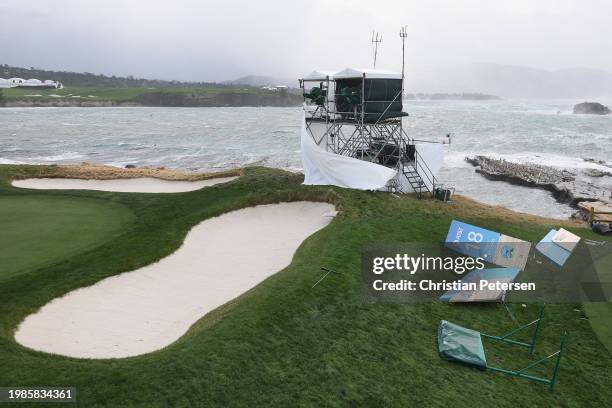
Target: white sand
[
  {"x": 130, "y": 185},
  {"x": 147, "y": 309}
]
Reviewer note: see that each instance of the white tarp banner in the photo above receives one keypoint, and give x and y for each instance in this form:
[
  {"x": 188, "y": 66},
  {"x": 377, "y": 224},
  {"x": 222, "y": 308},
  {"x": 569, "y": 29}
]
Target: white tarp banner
[
  {"x": 325, "y": 168},
  {"x": 431, "y": 156}
]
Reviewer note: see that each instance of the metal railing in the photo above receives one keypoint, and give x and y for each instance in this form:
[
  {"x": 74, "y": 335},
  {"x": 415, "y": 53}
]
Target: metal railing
[{"x": 423, "y": 169}]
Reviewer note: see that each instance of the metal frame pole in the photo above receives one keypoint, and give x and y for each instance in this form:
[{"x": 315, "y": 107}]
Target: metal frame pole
[
  {"x": 550, "y": 381},
  {"x": 363, "y": 78},
  {"x": 537, "y": 330},
  {"x": 553, "y": 380}
]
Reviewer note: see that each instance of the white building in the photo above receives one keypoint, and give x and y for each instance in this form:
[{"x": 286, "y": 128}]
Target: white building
[
  {"x": 16, "y": 82},
  {"x": 32, "y": 82},
  {"x": 29, "y": 83}
]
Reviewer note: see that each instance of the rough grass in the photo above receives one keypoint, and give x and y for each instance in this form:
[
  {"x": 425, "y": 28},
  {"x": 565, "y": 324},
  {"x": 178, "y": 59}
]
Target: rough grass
[
  {"x": 285, "y": 344},
  {"x": 600, "y": 316}
]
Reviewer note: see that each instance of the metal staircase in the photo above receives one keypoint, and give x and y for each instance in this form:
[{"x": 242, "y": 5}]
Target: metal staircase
[
  {"x": 419, "y": 175},
  {"x": 414, "y": 178}
]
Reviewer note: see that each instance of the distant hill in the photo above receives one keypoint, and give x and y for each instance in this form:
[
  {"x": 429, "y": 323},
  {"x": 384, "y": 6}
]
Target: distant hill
[
  {"x": 261, "y": 80},
  {"x": 92, "y": 90},
  {"x": 507, "y": 81},
  {"x": 98, "y": 80},
  {"x": 525, "y": 82},
  {"x": 484, "y": 81}
]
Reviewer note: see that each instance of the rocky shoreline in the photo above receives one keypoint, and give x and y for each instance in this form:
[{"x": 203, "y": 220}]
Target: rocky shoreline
[{"x": 569, "y": 186}]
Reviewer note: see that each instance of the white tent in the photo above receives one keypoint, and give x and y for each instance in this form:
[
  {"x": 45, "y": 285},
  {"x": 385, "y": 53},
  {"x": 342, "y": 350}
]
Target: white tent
[
  {"x": 319, "y": 76},
  {"x": 352, "y": 73}
]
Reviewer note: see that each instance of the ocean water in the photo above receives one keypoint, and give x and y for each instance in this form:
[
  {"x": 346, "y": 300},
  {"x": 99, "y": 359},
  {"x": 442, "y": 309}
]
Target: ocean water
[{"x": 212, "y": 139}]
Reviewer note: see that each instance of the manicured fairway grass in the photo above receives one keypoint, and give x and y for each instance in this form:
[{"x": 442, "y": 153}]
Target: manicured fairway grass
[
  {"x": 286, "y": 344},
  {"x": 112, "y": 94},
  {"x": 39, "y": 230}
]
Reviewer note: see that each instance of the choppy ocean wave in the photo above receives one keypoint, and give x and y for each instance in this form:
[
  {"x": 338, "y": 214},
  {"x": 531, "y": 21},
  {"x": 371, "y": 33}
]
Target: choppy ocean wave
[{"x": 220, "y": 138}]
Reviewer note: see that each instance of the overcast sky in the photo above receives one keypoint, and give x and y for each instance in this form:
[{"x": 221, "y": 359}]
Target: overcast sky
[{"x": 214, "y": 40}]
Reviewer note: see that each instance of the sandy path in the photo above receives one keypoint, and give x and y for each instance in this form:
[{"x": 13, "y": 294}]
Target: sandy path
[
  {"x": 144, "y": 310},
  {"x": 131, "y": 185}
]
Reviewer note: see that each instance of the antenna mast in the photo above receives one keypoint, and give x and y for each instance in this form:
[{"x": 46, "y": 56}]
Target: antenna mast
[
  {"x": 403, "y": 34},
  {"x": 376, "y": 39}
]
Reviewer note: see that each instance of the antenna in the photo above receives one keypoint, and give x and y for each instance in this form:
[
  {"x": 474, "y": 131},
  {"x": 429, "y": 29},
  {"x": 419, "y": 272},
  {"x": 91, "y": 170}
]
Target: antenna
[
  {"x": 403, "y": 34},
  {"x": 376, "y": 39}
]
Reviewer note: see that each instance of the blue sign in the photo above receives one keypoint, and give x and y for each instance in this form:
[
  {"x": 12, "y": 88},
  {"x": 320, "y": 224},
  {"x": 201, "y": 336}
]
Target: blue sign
[
  {"x": 472, "y": 241},
  {"x": 552, "y": 251}
]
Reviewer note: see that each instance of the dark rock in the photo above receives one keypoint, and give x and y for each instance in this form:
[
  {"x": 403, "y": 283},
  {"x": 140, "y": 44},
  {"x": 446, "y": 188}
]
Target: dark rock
[
  {"x": 130, "y": 166},
  {"x": 597, "y": 173},
  {"x": 566, "y": 186},
  {"x": 601, "y": 162},
  {"x": 591, "y": 108}
]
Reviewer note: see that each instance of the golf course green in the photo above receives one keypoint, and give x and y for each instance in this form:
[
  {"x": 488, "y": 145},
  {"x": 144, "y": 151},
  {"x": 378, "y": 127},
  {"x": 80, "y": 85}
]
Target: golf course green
[
  {"x": 282, "y": 341},
  {"x": 39, "y": 230}
]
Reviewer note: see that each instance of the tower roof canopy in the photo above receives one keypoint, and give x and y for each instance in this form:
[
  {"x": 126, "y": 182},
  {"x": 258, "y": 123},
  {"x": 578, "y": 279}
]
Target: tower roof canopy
[
  {"x": 369, "y": 73},
  {"x": 319, "y": 76}
]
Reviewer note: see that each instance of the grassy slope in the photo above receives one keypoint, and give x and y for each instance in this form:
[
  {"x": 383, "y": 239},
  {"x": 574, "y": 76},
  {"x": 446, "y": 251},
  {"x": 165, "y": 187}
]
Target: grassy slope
[
  {"x": 38, "y": 230},
  {"x": 600, "y": 314},
  {"x": 283, "y": 342},
  {"x": 111, "y": 94}
]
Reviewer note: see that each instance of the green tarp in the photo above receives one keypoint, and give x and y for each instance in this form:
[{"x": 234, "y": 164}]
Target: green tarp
[{"x": 456, "y": 343}]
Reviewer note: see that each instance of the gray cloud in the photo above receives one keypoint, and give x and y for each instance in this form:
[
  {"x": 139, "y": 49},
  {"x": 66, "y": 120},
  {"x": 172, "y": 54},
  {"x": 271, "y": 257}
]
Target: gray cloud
[{"x": 216, "y": 40}]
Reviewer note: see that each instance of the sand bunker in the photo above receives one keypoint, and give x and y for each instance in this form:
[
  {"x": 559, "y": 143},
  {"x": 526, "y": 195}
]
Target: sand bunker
[
  {"x": 147, "y": 309},
  {"x": 132, "y": 185}
]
